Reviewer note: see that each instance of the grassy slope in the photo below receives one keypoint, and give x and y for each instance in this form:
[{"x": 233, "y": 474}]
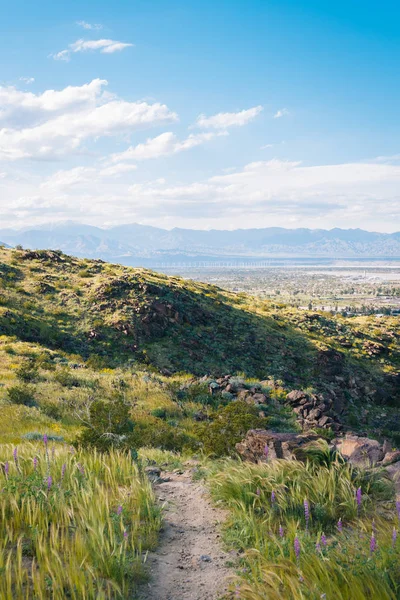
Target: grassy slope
[{"x": 123, "y": 314}]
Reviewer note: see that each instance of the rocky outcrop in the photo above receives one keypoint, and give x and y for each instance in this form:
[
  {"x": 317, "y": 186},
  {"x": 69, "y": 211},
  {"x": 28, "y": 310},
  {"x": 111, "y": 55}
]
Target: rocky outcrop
[
  {"x": 261, "y": 445},
  {"x": 314, "y": 410}
]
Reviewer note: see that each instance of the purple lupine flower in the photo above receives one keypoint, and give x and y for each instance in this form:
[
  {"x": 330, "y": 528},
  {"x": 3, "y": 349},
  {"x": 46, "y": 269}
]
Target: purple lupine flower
[
  {"x": 15, "y": 455},
  {"x": 359, "y": 499},
  {"x": 323, "y": 540},
  {"x": 45, "y": 439},
  {"x": 394, "y": 536},
  {"x": 258, "y": 492},
  {"x": 6, "y": 468},
  {"x": 340, "y": 526},
  {"x": 398, "y": 508},
  {"x": 281, "y": 532},
  {"x": 266, "y": 451},
  {"x": 49, "y": 482},
  {"x": 53, "y": 449},
  {"x": 63, "y": 469},
  {"x": 297, "y": 547},
  {"x": 306, "y": 513},
  {"x": 35, "y": 463},
  {"x": 119, "y": 510},
  {"x": 372, "y": 544},
  {"x": 237, "y": 591},
  {"x": 273, "y": 497},
  {"x": 125, "y": 534}
]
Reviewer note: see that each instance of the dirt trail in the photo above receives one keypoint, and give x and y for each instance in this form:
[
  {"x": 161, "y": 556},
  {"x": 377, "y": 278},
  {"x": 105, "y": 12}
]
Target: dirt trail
[{"x": 189, "y": 563}]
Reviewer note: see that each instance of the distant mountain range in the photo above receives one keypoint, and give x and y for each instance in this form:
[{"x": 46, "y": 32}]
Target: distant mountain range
[{"x": 136, "y": 244}]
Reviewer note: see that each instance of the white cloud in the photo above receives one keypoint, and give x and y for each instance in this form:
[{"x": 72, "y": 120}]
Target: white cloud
[
  {"x": 225, "y": 120},
  {"x": 67, "y": 179},
  {"x": 265, "y": 193},
  {"x": 18, "y": 107},
  {"x": 163, "y": 145},
  {"x": 55, "y": 123},
  {"x": 91, "y": 26},
  {"x": 273, "y": 192},
  {"x": 62, "y": 55},
  {"x": 27, "y": 80},
  {"x": 282, "y": 112},
  {"x": 105, "y": 46}
]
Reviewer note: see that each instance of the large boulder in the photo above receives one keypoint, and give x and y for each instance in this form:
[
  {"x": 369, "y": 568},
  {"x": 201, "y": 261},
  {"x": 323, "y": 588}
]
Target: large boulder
[
  {"x": 360, "y": 451},
  {"x": 279, "y": 445}
]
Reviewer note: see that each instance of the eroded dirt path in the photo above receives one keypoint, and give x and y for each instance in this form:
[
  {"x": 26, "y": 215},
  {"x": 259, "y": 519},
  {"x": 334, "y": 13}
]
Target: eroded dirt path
[{"x": 189, "y": 563}]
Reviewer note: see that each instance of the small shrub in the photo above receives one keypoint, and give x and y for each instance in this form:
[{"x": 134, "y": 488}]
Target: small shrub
[
  {"x": 27, "y": 371},
  {"x": 66, "y": 379},
  {"x": 229, "y": 426},
  {"x": 52, "y": 409},
  {"x": 109, "y": 426},
  {"x": 155, "y": 433},
  {"x": 35, "y": 436},
  {"x": 22, "y": 394}
]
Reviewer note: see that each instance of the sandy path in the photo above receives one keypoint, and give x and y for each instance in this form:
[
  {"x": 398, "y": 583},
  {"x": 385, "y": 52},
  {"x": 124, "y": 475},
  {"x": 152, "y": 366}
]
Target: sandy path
[{"x": 189, "y": 563}]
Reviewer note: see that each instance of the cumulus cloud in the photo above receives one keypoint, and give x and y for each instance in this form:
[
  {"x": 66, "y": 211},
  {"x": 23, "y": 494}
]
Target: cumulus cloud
[
  {"x": 54, "y": 123},
  {"x": 228, "y": 119},
  {"x": 105, "y": 46},
  {"x": 89, "y": 26},
  {"x": 163, "y": 145},
  {"x": 282, "y": 112},
  {"x": 27, "y": 80},
  {"x": 19, "y": 107}
]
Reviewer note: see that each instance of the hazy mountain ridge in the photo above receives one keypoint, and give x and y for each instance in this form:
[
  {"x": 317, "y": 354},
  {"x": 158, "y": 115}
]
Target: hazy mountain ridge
[{"x": 137, "y": 241}]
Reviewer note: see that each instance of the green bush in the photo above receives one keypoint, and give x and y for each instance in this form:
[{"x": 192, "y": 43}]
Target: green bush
[
  {"x": 229, "y": 426},
  {"x": 22, "y": 394},
  {"x": 66, "y": 379},
  {"x": 27, "y": 371},
  {"x": 54, "y": 410},
  {"x": 35, "y": 436},
  {"x": 109, "y": 426},
  {"x": 155, "y": 433}
]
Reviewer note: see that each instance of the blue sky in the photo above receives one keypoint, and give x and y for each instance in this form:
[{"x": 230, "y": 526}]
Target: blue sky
[{"x": 200, "y": 114}]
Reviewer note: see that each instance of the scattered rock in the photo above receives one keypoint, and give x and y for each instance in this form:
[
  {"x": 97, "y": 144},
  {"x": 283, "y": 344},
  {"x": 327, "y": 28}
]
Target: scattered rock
[
  {"x": 280, "y": 445},
  {"x": 153, "y": 473},
  {"x": 314, "y": 410},
  {"x": 205, "y": 558}
]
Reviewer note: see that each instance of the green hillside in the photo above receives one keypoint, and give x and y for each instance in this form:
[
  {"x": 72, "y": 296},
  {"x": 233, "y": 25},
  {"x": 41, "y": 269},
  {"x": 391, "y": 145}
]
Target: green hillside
[{"x": 118, "y": 316}]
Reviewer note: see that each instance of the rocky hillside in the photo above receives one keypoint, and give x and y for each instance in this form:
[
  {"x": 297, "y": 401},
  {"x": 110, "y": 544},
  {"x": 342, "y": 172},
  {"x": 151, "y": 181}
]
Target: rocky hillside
[{"x": 115, "y": 316}]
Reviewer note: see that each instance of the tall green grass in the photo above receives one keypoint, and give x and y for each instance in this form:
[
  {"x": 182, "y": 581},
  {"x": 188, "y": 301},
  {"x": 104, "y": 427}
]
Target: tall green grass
[
  {"x": 72, "y": 524},
  {"x": 267, "y": 513}
]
